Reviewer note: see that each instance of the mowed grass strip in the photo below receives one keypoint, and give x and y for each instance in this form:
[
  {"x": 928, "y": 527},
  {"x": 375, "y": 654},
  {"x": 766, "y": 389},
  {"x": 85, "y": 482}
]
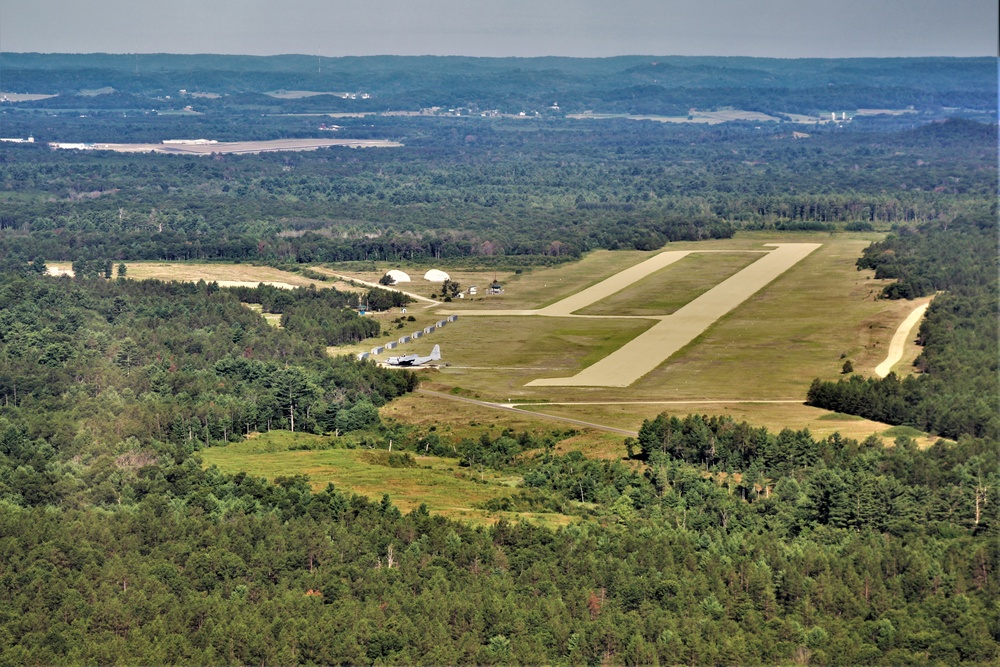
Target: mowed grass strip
[
  {"x": 497, "y": 356},
  {"x": 440, "y": 483},
  {"x": 673, "y": 286},
  {"x": 803, "y": 325}
]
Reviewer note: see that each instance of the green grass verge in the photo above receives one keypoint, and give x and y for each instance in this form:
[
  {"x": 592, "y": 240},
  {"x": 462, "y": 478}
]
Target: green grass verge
[
  {"x": 440, "y": 483},
  {"x": 673, "y": 286}
]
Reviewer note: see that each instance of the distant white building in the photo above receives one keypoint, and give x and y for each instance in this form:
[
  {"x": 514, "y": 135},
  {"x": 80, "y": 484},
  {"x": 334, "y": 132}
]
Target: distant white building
[
  {"x": 18, "y": 140},
  {"x": 191, "y": 142},
  {"x": 436, "y": 276},
  {"x": 398, "y": 276}
]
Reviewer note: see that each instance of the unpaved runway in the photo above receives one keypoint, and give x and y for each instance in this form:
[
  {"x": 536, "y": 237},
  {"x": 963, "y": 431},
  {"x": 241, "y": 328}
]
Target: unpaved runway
[
  {"x": 650, "y": 349},
  {"x": 612, "y": 285},
  {"x": 899, "y": 339}
]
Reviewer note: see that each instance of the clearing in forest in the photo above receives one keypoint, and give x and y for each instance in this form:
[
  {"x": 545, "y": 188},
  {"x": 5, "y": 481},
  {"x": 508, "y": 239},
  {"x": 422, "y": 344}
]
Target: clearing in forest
[{"x": 672, "y": 332}]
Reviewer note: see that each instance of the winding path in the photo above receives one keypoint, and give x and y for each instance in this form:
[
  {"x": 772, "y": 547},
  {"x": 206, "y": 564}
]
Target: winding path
[
  {"x": 430, "y": 302},
  {"x": 899, "y": 339}
]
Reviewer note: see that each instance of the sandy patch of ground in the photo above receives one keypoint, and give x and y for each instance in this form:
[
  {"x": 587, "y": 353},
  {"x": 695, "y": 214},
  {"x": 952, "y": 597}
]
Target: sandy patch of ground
[
  {"x": 251, "y": 283},
  {"x": 23, "y": 97},
  {"x": 237, "y": 147},
  {"x": 883, "y": 112},
  {"x": 900, "y": 339},
  {"x": 226, "y": 275},
  {"x": 299, "y": 94}
]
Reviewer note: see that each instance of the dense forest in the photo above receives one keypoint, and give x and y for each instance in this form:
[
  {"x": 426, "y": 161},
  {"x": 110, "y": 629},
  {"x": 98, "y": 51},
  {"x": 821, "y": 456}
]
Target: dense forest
[
  {"x": 710, "y": 541},
  {"x": 958, "y": 388},
  {"x": 119, "y": 547},
  {"x": 490, "y": 192}
]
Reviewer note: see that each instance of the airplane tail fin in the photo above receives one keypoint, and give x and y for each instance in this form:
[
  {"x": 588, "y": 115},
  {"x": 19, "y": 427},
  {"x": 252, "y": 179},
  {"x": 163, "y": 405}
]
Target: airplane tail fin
[{"x": 436, "y": 353}]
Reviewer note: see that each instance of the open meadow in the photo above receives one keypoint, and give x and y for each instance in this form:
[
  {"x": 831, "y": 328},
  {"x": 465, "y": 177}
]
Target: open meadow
[
  {"x": 445, "y": 487},
  {"x": 804, "y": 324}
]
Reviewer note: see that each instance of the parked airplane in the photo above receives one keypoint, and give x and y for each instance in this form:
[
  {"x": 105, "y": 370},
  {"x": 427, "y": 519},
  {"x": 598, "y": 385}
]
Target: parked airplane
[{"x": 415, "y": 359}]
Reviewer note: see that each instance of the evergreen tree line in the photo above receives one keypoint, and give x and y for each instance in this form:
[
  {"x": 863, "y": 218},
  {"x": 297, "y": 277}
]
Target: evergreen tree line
[
  {"x": 731, "y": 545},
  {"x": 957, "y": 390},
  {"x": 204, "y": 367}
]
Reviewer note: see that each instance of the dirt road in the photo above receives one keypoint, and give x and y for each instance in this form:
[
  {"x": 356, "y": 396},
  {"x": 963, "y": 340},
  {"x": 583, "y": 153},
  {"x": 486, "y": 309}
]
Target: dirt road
[
  {"x": 899, "y": 340},
  {"x": 430, "y": 302}
]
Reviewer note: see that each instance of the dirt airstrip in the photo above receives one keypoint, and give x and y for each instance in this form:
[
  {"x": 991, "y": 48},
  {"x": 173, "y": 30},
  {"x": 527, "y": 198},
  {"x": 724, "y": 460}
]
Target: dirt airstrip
[{"x": 672, "y": 332}]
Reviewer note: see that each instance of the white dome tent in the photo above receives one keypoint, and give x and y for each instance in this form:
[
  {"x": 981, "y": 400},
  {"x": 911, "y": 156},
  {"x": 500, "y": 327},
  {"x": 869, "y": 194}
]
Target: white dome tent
[
  {"x": 436, "y": 276},
  {"x": 398, "y": 276}
]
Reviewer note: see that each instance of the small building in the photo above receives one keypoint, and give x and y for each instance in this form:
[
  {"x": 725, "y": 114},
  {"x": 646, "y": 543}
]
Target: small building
[
  {"x": 436, "y": 276},
  {"x": 416, "y": 334},
  {"x": 428, "y": 330},
  {"x": 496, "y": 288},
  {"x": 404, "y": 340},
  {"x": 398, "y": 276},
  {"x": 472, "y": 290},
  {"x": 452, "y": 318},
  {"x": 362, "y": 356},
  {"x": 391, "y": 345}
]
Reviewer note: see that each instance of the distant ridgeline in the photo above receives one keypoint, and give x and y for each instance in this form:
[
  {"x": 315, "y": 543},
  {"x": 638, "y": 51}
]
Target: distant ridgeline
[
  {"x": 958, "y": 389},
  {"x": 628, "y": 84}
]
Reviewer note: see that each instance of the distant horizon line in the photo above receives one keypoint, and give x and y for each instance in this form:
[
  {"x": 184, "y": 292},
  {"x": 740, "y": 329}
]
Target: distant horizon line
[{"x": 509, "y": 57}]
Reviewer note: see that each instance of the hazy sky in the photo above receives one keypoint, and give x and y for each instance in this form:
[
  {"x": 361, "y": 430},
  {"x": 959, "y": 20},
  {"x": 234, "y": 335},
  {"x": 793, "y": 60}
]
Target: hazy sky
[{"x": 778, "y": 28}]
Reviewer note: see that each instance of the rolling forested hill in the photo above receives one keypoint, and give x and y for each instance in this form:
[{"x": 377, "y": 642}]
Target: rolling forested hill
[
  {"x": 633, "y": 84},
  {"x": 710, "y": 542}
]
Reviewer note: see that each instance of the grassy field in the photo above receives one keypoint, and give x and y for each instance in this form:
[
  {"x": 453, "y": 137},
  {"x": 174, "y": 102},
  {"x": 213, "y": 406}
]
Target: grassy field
[
  {"x": 801, "y": 326},
  {"x": 496, "y": 356},
  {"x": 673, "y": 286},
  {"x": 446, "y": 488},
  {"x": 453, "y": 421}
]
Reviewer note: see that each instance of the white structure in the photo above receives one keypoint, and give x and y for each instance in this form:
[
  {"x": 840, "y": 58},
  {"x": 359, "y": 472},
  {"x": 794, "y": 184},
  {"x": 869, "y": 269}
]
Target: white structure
[
  {"x": 191, "y": 142},
  {"x": 398, "y": 276},
  {"x": 17, "y": 140},
  {"x": 436, "y": 276}
]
